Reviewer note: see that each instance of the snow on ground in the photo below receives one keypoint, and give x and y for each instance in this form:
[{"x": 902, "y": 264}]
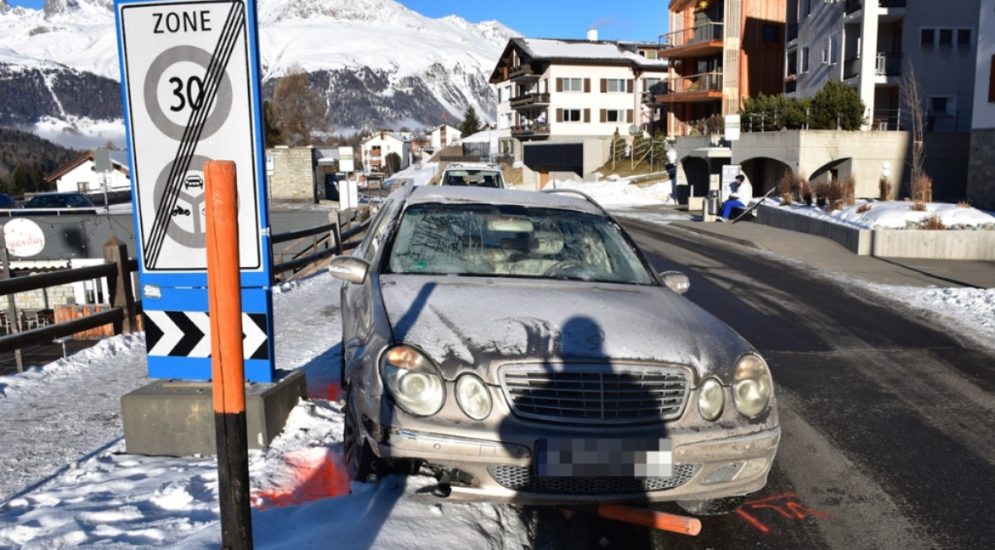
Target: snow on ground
[
  {"x": 420, "y": 173},
  {"x": 898, "y": 215},
  {"x": 99, "y": 495}
]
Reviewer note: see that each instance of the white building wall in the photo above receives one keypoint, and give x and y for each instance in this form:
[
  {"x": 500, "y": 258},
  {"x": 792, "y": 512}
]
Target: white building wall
[
  {"x": 984, "y": 109},
  {"x": 596, "y": 101},
  {"x": 452, "y": 135},
  {"x": 388, "y": 144},
  {"x": 84, "y": 179}
]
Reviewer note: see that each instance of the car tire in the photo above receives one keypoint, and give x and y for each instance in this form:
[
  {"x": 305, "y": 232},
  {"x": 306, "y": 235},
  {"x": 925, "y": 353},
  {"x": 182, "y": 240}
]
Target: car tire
[{"x": 357, "y": 454}]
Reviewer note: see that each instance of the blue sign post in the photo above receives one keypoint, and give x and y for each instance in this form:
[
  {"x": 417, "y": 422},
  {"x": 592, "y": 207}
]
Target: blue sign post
[{"x": 190, "y": 81}]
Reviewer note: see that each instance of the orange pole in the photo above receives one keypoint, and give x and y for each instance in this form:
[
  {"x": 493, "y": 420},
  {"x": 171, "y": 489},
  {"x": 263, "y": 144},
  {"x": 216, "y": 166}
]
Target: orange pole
[
  {"x": 224, "y": 287},
  {"x": 651, "y": 518},
  {"x": 224, "y": 290}
]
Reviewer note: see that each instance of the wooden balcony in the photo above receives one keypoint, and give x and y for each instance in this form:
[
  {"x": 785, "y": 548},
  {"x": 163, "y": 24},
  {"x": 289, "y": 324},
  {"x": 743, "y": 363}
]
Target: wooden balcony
[
  {"x": 532, "y": 130},
  {"x": 697, "y": 41},
  {"x": 530, "y": 100},
  {"x": 691, "y": 89},
  {"x": 522, "y": 73}
]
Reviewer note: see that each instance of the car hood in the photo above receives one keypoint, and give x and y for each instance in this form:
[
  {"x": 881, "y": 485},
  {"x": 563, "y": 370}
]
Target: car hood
[{"x": 480, "y": 323}]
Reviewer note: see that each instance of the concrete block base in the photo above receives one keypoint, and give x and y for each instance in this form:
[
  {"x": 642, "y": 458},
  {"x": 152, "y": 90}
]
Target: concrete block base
[{"x": 176, "y": 418}]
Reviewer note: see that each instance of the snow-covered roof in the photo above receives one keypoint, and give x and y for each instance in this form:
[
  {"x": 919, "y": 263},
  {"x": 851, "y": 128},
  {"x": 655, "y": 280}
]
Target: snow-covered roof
[
  {"x": 483, "y": 136},
  {"x": 544, "y": 48}
]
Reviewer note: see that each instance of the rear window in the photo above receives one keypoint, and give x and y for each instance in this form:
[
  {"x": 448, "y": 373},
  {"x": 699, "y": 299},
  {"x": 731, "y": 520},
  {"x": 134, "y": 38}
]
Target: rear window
[
  {"x": 513, "y": 241},
  {"x": 480, "y": 178}
]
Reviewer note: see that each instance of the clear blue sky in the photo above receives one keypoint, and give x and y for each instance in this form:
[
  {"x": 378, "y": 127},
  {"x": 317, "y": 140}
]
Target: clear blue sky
[{"x": 615, "y": 19}]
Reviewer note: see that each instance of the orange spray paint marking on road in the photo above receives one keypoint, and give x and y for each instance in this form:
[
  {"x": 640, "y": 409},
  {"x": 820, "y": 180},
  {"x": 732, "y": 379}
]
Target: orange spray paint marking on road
[
  {"x": 786, "y": 505},
  {"x": 315, "y": 474}
]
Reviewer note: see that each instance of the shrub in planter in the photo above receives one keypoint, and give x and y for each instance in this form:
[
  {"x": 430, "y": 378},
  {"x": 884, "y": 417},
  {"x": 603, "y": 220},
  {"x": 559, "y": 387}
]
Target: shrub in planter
[{"x": 836, "y": 107}]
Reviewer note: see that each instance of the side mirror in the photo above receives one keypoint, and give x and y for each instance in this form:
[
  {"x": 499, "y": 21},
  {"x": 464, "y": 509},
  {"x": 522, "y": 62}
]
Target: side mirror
[
  {"x": 676, "y": 281},
  {"x": 349, "y": 268}
]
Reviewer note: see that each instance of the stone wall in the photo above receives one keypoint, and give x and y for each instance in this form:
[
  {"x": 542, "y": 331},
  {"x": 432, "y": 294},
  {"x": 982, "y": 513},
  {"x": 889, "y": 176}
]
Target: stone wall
[
  {"x": 291, "y": 172},
  {"x": 981, "y": 170}
]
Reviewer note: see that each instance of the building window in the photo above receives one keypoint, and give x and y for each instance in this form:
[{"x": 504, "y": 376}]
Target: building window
[
  {"x": 834, "y": 49},
  {"x": 571, "y": 115},
  {"x": 804, "y": 62},
  {"x": 613, "y": 115},
  {"x": 612, "y": 85},
  {"x": 940, "y": 105},
  {"x": 499, "y": 95},
  {"x": 82, "y": 186},
  {"x": 927, "y": 38},
  {"x": 573, "y": 84},
  {"x": 771, "y": 36},
  {"x": 963, "y": 38},
  {"x": 946, "y": 37}
]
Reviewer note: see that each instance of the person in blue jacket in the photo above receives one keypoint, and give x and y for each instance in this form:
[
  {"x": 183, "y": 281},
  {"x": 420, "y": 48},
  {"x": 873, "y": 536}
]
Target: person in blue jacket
[{"x": 733, "y": 201}]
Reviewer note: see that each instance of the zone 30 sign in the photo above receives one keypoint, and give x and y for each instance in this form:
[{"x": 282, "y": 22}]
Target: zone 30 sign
[
  {"x": 190, "y": 80},
  {"x": 187, "y": 74}
]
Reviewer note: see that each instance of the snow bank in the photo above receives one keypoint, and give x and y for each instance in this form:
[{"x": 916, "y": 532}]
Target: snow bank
[
  {"x": 301, "y": 496},
  {"x": 620, "y": 192},
  {"x": 899, "y": 215}
]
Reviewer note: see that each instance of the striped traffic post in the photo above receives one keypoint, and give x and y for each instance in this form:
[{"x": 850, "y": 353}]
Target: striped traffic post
[{"x": 227, "y": 361}]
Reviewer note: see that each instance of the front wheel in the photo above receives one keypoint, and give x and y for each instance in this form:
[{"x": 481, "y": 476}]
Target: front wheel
[{"x": 356, "y": 450}]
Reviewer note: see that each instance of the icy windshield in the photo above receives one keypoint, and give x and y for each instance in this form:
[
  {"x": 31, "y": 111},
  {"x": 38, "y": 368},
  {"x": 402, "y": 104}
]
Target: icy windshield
[
  {"x": 481, "y": 178},
  {"x": 513, "y": 241}
]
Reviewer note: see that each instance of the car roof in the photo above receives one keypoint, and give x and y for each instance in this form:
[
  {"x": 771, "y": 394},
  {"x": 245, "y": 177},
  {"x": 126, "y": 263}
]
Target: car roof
[
  {"x": 424, "y": 194},
  {"x": 473, "y": 166}
]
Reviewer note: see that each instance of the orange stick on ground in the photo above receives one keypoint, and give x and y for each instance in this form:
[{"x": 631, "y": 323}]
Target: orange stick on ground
[
  {"x": 651, "y": 518},
  {"x": 224, "y": 291}
]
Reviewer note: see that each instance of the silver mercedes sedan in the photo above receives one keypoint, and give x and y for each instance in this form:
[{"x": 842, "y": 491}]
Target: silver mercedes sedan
[{"x": 518, "y": 346}]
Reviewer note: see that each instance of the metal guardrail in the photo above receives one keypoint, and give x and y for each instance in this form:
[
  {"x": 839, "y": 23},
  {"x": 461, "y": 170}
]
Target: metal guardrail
[
  {"x": 705, "y": 32},
  {"x": 332, "y": 236}
]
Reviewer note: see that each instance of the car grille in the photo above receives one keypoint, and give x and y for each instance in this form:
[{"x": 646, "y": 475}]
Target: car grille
[
  {"x": 522, "y": 478},
  {"x": 595, "y": 394}
]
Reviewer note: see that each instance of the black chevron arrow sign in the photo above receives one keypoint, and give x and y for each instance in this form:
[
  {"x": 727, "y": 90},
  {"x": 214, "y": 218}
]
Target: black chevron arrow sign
[{"x": 188, "y": 334}]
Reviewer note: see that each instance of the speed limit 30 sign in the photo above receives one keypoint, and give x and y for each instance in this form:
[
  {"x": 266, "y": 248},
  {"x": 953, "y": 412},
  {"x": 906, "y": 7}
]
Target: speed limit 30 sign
[{"x": 190, "y": 81}]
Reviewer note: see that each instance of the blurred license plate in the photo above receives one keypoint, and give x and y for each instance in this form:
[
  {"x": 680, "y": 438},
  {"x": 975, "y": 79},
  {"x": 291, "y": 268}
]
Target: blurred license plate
[{"x": 604, "y": 458}]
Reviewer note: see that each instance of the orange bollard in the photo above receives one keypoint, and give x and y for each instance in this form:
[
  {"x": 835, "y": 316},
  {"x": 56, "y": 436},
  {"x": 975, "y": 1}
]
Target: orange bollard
[
  {"x": 651, "y": 518},
  {"x": 224, "y": 291}
]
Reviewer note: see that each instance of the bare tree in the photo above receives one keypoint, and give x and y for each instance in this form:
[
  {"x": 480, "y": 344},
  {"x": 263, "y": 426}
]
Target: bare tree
[
  {"x": 912, "y": 100},
  {"x": 298, "y": 109}
]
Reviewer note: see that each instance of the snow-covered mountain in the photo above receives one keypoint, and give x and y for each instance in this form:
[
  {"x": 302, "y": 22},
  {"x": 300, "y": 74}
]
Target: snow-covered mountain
[{"x": 377, "y": 62}]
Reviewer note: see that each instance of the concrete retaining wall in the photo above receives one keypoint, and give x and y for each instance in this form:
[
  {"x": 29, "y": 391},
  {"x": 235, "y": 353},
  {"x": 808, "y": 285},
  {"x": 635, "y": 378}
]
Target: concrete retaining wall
[
  {"x": 888, "y": 243},
  {"x": 855, "y": 240}
]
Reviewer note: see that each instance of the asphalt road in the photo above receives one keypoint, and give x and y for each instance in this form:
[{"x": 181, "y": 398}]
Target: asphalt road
[{"x": 888, "y": 422}]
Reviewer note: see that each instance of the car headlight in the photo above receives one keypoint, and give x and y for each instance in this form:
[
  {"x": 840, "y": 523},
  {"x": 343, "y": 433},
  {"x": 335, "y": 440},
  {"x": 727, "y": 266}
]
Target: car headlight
[
  {"x": 752, "y": 386},
  {"x": 711, "y": 399},
  {"x": 473, "y": 396},
  {"x": 413, "y": 380}
]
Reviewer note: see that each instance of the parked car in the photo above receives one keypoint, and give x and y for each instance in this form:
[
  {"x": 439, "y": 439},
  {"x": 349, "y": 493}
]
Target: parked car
[
  {"x": 496, "y": 338},
  {"x": 476, "y": 174},
  {"x": 6, "y": 201},
  {"x": 59, "y": 200}
]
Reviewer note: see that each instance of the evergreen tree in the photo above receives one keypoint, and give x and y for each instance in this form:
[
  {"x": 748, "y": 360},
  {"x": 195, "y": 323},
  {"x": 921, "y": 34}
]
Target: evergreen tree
[
  {"x": 836, "y": 107},
  {"x": 471, "y": 124}
]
